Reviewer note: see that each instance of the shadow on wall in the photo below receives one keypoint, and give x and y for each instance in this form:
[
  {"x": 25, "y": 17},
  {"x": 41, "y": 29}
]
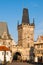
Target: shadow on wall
[{"x": 32, "y": 55}]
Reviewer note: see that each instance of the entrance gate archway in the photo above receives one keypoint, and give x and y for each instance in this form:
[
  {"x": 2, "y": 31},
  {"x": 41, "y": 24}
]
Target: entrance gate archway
[{"x": 17, "y": 56}]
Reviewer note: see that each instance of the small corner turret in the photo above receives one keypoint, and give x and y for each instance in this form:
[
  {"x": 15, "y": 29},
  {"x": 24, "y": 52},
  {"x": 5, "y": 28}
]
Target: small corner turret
[{"x": 32, "y": 24}]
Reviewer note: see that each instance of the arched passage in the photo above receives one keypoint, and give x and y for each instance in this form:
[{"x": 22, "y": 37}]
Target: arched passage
[{"x": 17, "y": 56}]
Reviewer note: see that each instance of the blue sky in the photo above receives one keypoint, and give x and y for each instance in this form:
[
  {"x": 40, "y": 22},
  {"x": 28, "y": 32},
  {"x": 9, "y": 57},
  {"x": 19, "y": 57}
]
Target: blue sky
[{"x": 11, "y": 12}]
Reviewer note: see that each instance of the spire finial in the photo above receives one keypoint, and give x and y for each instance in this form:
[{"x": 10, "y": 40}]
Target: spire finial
[{"x": 18, "y": 23}]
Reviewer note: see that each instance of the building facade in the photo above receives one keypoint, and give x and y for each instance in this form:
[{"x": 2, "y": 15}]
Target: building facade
[
  {"x": 38, "y": 45},
  {"x": 5, "y": 54}
]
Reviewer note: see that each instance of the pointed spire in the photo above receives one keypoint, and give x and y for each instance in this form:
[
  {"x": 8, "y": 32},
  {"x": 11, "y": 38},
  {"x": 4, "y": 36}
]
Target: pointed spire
[
  {"x": 25, "y": 17},
  {"x": 17, "y": 23},
  {"x": 33, "y": 22}
]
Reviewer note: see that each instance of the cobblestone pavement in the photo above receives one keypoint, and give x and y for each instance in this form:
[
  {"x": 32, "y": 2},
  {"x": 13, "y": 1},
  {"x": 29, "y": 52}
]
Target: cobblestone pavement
[{"x": 22, "y": 63}]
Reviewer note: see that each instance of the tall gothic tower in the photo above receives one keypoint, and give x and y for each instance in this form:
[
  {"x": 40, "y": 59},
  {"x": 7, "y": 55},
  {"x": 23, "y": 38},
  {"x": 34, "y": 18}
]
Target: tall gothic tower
[{"x": 26, "y": 31}]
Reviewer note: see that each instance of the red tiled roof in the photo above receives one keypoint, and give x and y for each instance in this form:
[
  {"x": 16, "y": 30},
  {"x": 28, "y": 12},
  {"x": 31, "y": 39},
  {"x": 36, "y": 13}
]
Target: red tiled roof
[{"x": 4, "y": 48}]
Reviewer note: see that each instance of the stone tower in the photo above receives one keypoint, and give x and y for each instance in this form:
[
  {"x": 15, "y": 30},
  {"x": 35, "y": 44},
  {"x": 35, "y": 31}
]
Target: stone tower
[{"x": 26, "y": 31}]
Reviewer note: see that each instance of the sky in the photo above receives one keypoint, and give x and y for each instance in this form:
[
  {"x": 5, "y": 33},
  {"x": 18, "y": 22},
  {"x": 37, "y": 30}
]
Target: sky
[{"x": 11, "y": 12}]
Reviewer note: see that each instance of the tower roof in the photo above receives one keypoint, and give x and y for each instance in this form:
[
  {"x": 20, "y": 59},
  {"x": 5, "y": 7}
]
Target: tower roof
[
  {"x": 3, "y": 28},
  {"x": 25, "y": 17}
]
